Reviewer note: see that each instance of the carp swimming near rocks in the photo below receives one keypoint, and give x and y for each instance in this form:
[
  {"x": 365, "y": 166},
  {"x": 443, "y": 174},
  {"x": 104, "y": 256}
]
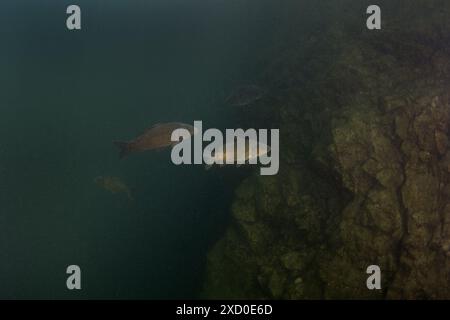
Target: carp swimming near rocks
[
  {"x": 156, "y": 137},
  {"x": 245, "y": 151},
  {"x": 245, "y": 95}
]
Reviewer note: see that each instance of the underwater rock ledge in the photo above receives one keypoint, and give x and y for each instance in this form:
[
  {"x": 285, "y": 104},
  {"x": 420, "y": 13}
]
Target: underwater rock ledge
[{"x": 364, "y": 179}]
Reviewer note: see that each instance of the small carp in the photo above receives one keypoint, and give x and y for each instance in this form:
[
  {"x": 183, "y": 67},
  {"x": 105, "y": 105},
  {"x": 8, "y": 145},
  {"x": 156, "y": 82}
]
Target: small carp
[
  {"x": 244, "y": 96},
  {"x": 113, "y": 185}
]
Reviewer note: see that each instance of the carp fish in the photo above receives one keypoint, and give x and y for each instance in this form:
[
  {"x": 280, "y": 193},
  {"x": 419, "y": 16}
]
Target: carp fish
[{"x": 156, "y": 137}]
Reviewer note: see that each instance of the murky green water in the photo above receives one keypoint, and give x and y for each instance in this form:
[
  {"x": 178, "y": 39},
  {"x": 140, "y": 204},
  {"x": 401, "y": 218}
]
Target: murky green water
[
  {"x": 343, "y": 200},
  {"x": 66, "y": 95}
]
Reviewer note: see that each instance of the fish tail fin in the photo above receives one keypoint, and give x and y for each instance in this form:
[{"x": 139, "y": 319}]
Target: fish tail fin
[{"x": 124, "y": 147}]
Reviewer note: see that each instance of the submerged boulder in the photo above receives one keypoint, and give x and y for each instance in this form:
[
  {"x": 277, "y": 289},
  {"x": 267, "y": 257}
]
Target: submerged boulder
[{"x": 365, "y": 173}]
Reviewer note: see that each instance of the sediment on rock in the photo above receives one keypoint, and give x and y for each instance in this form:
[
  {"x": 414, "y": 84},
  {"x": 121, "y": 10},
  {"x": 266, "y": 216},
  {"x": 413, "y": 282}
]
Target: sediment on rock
[{"x": 364, "y": 178}]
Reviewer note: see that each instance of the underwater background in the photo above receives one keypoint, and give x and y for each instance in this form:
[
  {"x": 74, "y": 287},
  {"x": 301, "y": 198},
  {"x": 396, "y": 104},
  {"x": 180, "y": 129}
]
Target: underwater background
[{"x": 365, "y": 161}]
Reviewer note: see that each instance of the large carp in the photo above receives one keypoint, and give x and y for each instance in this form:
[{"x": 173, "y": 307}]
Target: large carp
[{"x": 155, "y": 137}]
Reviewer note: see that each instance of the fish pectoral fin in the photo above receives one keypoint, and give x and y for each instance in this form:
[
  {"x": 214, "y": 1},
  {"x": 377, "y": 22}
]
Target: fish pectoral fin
[
  {"x": 128, "y": 193},
  {"x": 125, "y": 148}
]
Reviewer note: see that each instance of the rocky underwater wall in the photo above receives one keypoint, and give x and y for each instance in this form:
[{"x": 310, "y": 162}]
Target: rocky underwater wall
[{"x": 365, "y": 174}]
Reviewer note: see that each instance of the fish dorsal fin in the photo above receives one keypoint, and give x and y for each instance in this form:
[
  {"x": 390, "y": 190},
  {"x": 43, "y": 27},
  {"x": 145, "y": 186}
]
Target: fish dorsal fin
[
  {"x": 159, "y": 124},
  {"x": 156, "y": 125}
]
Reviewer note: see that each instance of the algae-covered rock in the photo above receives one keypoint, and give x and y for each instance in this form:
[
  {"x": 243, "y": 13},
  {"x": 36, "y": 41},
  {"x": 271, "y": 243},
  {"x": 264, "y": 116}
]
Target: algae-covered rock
[
  {"x": 293, "y": 261},
  {"x": 277, "y": 284},
  {"x": 231, "y": 271},
  {"x": 364, "y": 176}
]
